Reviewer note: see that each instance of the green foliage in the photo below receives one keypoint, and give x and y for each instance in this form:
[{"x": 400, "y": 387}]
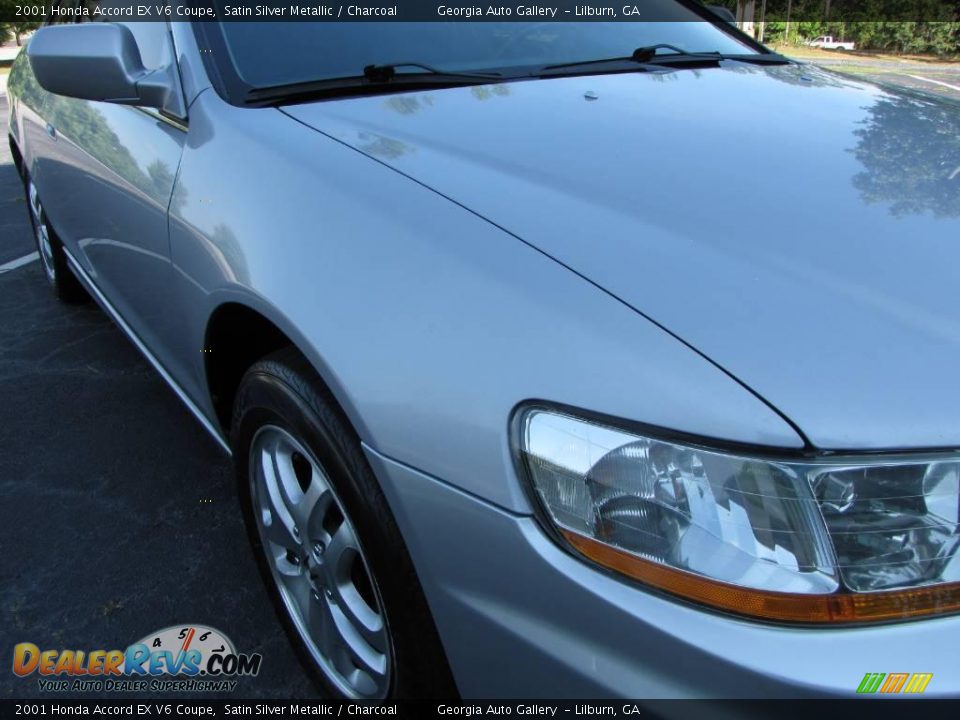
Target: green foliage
[
  {"x": 12, "y": 26},
  {"x": 906, "y": 26},
  {"x": 839, "y": 11},
  {"x": 938, "y": 38},
  {"x": 934, "y": 38},
  {"x": 21, "y": 28},
  {"x": 910, "y": 152}
]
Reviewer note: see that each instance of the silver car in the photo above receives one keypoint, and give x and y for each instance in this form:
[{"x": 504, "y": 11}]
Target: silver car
[{"x": 555, "y": 359}]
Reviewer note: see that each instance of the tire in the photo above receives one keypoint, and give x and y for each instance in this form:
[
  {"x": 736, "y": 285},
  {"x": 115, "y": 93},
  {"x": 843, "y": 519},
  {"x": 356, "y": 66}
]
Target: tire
[
  {"x": 53, "y": 260},
  {"x": 326, "y": 543}
]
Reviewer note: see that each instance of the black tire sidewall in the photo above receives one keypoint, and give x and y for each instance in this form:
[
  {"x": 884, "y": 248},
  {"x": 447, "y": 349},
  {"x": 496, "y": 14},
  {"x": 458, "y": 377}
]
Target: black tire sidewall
[{"x": 274, "y": 394}]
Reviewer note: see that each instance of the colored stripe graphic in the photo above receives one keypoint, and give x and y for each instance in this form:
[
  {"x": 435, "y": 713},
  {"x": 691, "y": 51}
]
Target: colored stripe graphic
[
  {"x": 918, "y": 682},
  {"x": 870, "y": 682},
  {"x": 894, "y": 683}
]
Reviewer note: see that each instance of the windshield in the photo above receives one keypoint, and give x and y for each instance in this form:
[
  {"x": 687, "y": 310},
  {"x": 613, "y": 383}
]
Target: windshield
[{"x": 275, "y": 54}]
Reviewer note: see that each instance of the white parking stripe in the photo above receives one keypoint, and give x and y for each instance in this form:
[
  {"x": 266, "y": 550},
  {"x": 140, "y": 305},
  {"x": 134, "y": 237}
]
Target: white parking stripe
[
  {"x": 19, "y": 262},
  {"x": 935, "y": 82}
]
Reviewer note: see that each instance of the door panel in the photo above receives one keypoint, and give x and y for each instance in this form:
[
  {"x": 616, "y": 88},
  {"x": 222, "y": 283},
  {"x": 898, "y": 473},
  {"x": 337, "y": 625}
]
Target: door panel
[{"x": 106, "y": 174}]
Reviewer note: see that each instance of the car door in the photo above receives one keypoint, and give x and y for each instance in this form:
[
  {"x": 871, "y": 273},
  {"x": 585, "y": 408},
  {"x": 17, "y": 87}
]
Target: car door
[{"x": 106, "y": 174}]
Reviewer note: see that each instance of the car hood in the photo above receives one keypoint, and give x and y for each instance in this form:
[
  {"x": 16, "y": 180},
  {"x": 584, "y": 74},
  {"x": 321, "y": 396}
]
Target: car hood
[{"x": 799, "y": 228}]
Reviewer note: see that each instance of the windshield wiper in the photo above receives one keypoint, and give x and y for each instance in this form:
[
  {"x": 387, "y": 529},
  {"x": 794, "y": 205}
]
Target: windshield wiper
[
  {"x": 643, "y": 57},
  {"x": 375, "y": 79},
  {"x": 385, "y": 73}
]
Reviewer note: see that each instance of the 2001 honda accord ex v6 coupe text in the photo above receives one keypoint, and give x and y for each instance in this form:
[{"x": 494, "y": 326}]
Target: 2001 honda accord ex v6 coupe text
[{"x": 538, "y": 371}]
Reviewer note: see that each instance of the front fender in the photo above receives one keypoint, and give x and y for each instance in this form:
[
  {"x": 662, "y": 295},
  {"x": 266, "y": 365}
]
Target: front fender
[{"x": 428, "y": 323}]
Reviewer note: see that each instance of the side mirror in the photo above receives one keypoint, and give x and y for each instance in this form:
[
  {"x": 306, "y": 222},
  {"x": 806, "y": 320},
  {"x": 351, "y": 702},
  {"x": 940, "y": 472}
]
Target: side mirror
[{"x": 100, "y": 61}]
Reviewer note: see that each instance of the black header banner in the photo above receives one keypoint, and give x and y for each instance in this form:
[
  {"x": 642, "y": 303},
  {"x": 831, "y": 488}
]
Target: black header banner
[{"x": 769, "y": 11}]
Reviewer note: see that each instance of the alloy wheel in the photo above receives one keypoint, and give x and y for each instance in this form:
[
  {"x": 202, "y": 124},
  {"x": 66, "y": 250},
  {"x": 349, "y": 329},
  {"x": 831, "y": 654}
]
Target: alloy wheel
[{"x": 318, "y": 565}]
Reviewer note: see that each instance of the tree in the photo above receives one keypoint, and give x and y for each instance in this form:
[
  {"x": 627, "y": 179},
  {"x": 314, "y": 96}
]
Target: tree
[
  {"x": 20, "y": 29},
  {"x": 909, "y": 148},
  {"x": 12, "y": 24}
]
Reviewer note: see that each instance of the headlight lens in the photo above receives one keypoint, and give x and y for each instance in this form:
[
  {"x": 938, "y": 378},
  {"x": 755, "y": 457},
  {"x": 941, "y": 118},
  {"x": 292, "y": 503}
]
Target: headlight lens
[{"x": 820, "y": 539}]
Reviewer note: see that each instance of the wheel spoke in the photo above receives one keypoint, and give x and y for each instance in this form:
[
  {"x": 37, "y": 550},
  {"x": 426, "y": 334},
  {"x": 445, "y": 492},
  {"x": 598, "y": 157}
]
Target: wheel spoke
[
  {"x": 342, "y": 557},
  {"x": 341, "y": 551},
  {"x": 363, "y": 655},
  {"x": 367, "y": 622},
  {"x": 287, "y": 483},
  {"x": 309, "y": 510},
  {"x": 320, "y": 624},
  {"x": 274, "y": 516},
  {"x": 305, "y": 507},
  {"x": 295, "y": 582}
]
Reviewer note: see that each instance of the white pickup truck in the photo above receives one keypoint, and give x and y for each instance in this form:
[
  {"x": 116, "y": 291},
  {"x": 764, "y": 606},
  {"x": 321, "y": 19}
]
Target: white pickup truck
[{"x": 827, "y": 42}]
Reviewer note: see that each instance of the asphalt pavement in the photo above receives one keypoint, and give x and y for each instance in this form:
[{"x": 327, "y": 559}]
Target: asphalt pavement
[{"x": 118, "y": 515}]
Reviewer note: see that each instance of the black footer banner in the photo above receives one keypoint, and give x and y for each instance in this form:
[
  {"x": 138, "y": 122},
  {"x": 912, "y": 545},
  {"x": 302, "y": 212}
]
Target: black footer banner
[{"x": 513, "y": 709}]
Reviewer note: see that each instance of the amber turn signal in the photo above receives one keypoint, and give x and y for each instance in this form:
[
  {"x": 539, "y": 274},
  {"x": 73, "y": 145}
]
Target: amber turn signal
[{"x": 840, "y": 607}]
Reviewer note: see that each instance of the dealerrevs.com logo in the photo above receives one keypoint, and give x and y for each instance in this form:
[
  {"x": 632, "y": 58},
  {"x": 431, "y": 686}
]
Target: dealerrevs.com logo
[{"x": 186, "y": 658}]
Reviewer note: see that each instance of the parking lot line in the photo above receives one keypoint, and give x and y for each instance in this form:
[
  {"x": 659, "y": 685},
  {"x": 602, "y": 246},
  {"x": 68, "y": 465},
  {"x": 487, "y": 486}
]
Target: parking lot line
[
  {"x": 19, "y": 262},
  {"x": 935, "y": 82}
]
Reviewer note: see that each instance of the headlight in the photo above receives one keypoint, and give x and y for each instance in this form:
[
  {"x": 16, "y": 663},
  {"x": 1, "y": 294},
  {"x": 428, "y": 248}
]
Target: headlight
[{"x": 820, "y": 539}]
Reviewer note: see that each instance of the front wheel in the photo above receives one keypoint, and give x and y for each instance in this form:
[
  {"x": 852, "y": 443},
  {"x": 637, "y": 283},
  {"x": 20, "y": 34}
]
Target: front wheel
[{"x": 327, "y": 544}]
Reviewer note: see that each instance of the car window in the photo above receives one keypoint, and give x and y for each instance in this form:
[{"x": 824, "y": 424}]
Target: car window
[
  {"x": 279, "y": 53},
  {"x": 153, "y": 37}
]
